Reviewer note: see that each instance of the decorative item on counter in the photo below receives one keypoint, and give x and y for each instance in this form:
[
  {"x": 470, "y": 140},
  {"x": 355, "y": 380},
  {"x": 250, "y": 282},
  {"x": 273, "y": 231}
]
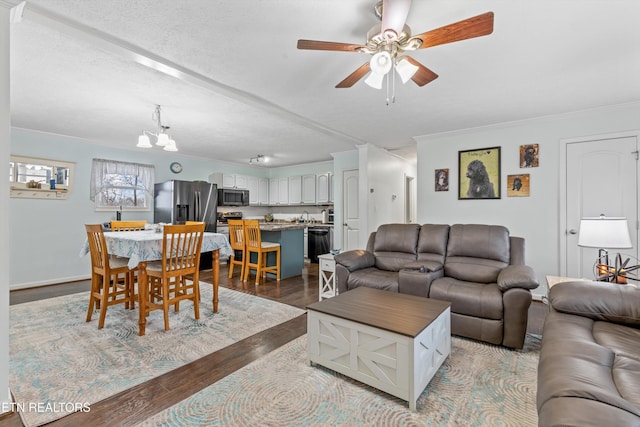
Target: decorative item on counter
[
  {"x": 335, "y": 251},
  {"x": 32, "y": 184},
  {"x": 52, "y": 184},
  {"x": 268, "y": 217}
]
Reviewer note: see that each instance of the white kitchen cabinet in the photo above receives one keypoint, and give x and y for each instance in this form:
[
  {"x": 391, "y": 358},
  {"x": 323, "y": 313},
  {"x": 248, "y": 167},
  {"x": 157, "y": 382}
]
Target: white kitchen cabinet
[
  {"x": 309, "y": 189},
  {"x": 323, "y": 188},
  {"x": 230, "y": 180},
  {"x": 330, "y": 188},
  {"x": 263, "y": 191},
  {"x": 254, "y": 191},
  {"x": 274, "y": 191},
  {"x": 283, "y": 191},
  {"x": 306, "y": 242},
  {"x": 295, "y": 190}
]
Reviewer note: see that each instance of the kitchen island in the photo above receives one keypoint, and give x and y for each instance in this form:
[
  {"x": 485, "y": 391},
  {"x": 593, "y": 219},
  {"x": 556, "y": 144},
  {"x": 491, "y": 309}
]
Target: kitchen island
[{"x": 291, "y": 239}]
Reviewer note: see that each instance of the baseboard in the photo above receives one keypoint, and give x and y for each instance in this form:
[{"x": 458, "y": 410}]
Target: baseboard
[{"x": 48, "y": 282}]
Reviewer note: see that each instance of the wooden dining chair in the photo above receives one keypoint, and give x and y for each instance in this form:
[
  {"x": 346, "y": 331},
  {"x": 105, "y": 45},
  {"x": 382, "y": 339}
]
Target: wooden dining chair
[
  {"x": 110, "y": 279},
  {"x": 236, "y": 240},
  {"x": 193, "y": 222},
  {"x": 176, "y": 276},
  {"x": 255, "y": 245},
  {"x": 128, "y": 225}
]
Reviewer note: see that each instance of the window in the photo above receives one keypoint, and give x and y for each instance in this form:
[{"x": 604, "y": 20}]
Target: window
[{"x": 116, "y": 185}]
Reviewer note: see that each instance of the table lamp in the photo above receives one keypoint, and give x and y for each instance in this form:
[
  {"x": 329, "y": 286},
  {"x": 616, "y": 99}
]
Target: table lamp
[{"x": 606, "y": 233}]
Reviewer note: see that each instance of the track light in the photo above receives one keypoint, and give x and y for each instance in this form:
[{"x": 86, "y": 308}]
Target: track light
[{"x": 258, "y": 158}]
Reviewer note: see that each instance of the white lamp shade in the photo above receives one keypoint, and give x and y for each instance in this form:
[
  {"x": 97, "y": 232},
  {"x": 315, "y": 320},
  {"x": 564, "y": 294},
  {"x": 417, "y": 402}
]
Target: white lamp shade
[
  {"x": 143, "y": 141},
  {"x": 163, "y": 140},
  {"x": 405, "y": 69},
  {"x": 171, "y": 146},
  {"x": 604, "y": 232},
  {"x": 374, "y": 80},
  {"x": 381, "y": 63}
]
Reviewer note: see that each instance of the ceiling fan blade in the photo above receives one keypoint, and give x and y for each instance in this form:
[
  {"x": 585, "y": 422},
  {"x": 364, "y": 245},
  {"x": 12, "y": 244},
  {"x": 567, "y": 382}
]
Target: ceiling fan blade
[
  {"x": 355, "y": 76},
  {"x": 423, "y": 75},
  {"x": 394, "y": 15},
  {"x": 477, "y": 26},
  {"x": 320, "y": 45}
]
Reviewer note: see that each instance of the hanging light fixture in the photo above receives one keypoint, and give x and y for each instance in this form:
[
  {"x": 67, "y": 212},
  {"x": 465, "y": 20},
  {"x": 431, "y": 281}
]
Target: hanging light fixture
[
  {"x": 382, "y": 62},
  {"x": 258, "y": 158},
  {"x": 162, "y": 137}
]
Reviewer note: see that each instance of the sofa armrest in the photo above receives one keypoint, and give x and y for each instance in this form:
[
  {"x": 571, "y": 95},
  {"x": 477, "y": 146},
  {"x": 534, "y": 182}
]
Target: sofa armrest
[
  {"x": 517, "y": 276},
  {"x": 355, "y": 260},
  {"x": 598, "y": 301}
]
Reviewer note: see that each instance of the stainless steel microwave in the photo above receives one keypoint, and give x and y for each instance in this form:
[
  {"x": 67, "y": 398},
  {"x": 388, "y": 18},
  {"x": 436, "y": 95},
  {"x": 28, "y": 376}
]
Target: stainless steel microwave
[{"x": 233, "y": 197}]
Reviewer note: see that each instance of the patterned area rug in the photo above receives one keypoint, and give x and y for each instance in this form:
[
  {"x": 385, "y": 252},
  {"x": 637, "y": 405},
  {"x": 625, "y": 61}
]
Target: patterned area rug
[
  {"x": 478, "y": 385},
  {"x": 60, "y": 364}
]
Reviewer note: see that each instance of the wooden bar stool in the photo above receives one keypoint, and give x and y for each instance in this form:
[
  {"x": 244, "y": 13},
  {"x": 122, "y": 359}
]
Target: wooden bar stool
[
  {"x": 254, "y": 244},
  {"x": 236, "y": 240}
]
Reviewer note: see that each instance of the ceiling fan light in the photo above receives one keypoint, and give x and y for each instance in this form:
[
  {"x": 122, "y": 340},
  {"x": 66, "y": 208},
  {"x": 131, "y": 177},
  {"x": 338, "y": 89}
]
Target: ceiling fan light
[
  {"x": 171, "y": 145},
  {"x": 374, "y": 80},
  {"x": 405, "y": 69},
  {"x": 163, "y": 140},
  {"x": 381, "y": 63},
  {"x": 143, "y": 141}
]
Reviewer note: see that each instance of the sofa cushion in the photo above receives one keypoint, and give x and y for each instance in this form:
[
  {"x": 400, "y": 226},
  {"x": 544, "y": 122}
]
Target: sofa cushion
[
  {"x": 432, "y": 242},
  {"x": 469, "y": 298},
  {"x": 355, "y": 260},
  {"x": 591, "y": 361},
  {"x": 395, "y": 245},
  {"x": 373, "y": 278},
  {"x": 477, "y": 252}
]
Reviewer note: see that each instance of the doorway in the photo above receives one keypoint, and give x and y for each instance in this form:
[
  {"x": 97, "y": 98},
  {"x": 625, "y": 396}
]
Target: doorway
[
  {"x": 350, "y": 210},
  {"x": 600, "y": 176},
  {"x": 409, "y": 200}
]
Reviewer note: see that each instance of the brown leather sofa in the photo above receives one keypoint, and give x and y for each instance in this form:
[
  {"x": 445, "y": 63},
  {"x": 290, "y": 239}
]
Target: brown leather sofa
[
  {"x": 478, "y": 268},
  {"x": 589, "y": 367}
]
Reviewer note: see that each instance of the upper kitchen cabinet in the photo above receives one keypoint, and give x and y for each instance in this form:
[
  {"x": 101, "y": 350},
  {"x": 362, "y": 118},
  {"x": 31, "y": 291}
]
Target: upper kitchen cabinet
[
  {"x": 295, "y": 190},
  {"x": 40, "y": 178},
  {"x": 324, "y": 192},
  {"x": 279, "y": 191},
  {"x": 309, "y": 189},
  {"x": 263, "y": 191},
  {"x": 229, "y": 180}
]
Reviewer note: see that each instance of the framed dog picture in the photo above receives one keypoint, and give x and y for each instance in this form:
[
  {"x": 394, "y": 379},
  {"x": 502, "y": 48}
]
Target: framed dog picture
[
  {"x": 442, "y": 179},
  {"x": 529, "y": 156},
  {"x": 479, "y": 174},
  {"x": 518, "y": 185}
]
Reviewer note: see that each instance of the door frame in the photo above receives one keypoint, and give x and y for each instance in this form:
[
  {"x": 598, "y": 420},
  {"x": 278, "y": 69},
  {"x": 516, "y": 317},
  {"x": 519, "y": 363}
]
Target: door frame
[{"x": 562, "y": 193}]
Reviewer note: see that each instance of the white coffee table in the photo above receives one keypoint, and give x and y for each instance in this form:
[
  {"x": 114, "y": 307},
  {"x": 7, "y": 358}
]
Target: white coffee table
[{"x": 393, "y": 342}]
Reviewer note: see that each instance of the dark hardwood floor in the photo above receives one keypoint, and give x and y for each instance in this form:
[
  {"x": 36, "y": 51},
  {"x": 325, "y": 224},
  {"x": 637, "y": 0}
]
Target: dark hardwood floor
[{"x": 142, "y": 401}]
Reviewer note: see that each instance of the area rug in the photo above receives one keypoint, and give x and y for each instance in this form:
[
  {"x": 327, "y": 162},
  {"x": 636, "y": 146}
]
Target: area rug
[
  {"x": 478, "y": 385},
  {"x": 61, "y": 364}
]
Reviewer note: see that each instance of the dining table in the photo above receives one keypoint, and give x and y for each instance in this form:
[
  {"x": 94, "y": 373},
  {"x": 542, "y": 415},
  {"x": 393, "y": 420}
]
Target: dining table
[{"x": 143, "y": 246}]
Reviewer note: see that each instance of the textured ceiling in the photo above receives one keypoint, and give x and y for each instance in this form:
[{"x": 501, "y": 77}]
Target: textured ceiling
[{"x": 242, "y": 87}]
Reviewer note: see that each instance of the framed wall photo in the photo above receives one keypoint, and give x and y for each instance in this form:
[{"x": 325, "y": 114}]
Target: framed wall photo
[
  {"x": 529, "y": 156},
  {"x": 518, "y": 185},
  {"x": 442, "y": 179},
  {"x": 479, "y": 174}
]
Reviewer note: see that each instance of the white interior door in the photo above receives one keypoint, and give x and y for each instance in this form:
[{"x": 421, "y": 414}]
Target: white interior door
[
  {"x": 351, "y": 211},
  {"x": 601, "y": 178}
]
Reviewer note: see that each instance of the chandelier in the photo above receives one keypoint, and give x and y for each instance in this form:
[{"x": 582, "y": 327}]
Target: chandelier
[{"x": 162, "y": 137}]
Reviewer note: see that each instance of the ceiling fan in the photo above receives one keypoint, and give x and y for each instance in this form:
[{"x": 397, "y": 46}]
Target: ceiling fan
[{"x": 389, "y": 41}]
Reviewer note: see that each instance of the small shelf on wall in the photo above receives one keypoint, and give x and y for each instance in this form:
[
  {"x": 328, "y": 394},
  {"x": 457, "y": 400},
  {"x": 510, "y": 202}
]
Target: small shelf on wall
[
  {"x": 39, "y": 193},
  {"x": 28, "y": 172}
]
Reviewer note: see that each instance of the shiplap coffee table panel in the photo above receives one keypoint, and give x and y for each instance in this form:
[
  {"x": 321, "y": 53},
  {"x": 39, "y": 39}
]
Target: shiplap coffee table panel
[{"x": 393, "y": 342}]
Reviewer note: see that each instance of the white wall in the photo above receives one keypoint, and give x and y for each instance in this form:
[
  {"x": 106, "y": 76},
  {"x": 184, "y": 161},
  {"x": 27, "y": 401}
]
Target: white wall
[
  {"x": 5, "y": 134},
  {"x": 383, "y": 188},
  {"x": 536, "y": 217},
  {"x": 342, "y": 161}
]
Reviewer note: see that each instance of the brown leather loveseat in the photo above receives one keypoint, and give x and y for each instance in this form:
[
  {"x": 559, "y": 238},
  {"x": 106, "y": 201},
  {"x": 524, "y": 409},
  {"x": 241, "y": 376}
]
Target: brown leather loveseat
[
  {"x": 478, "y": 268},
  {"x": 589, "y": 367}
]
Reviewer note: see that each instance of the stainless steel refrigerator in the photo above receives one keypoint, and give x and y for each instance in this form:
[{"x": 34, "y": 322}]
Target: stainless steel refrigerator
[{"x": 178, "y": 201}]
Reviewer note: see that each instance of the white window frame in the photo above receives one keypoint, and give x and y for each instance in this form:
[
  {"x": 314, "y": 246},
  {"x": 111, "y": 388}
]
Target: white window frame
[{"x": 102, "y": 168}]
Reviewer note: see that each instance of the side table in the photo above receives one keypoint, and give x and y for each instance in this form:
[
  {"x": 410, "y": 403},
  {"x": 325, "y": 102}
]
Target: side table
[{"x": 327, "y": 276}]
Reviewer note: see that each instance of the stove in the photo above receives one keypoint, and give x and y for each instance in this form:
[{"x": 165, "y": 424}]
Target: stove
[{"x": 224, "y": 217}]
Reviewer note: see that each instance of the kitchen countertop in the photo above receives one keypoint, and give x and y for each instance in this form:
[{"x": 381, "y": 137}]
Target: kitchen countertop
[{"x": 282, "y": 226}]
